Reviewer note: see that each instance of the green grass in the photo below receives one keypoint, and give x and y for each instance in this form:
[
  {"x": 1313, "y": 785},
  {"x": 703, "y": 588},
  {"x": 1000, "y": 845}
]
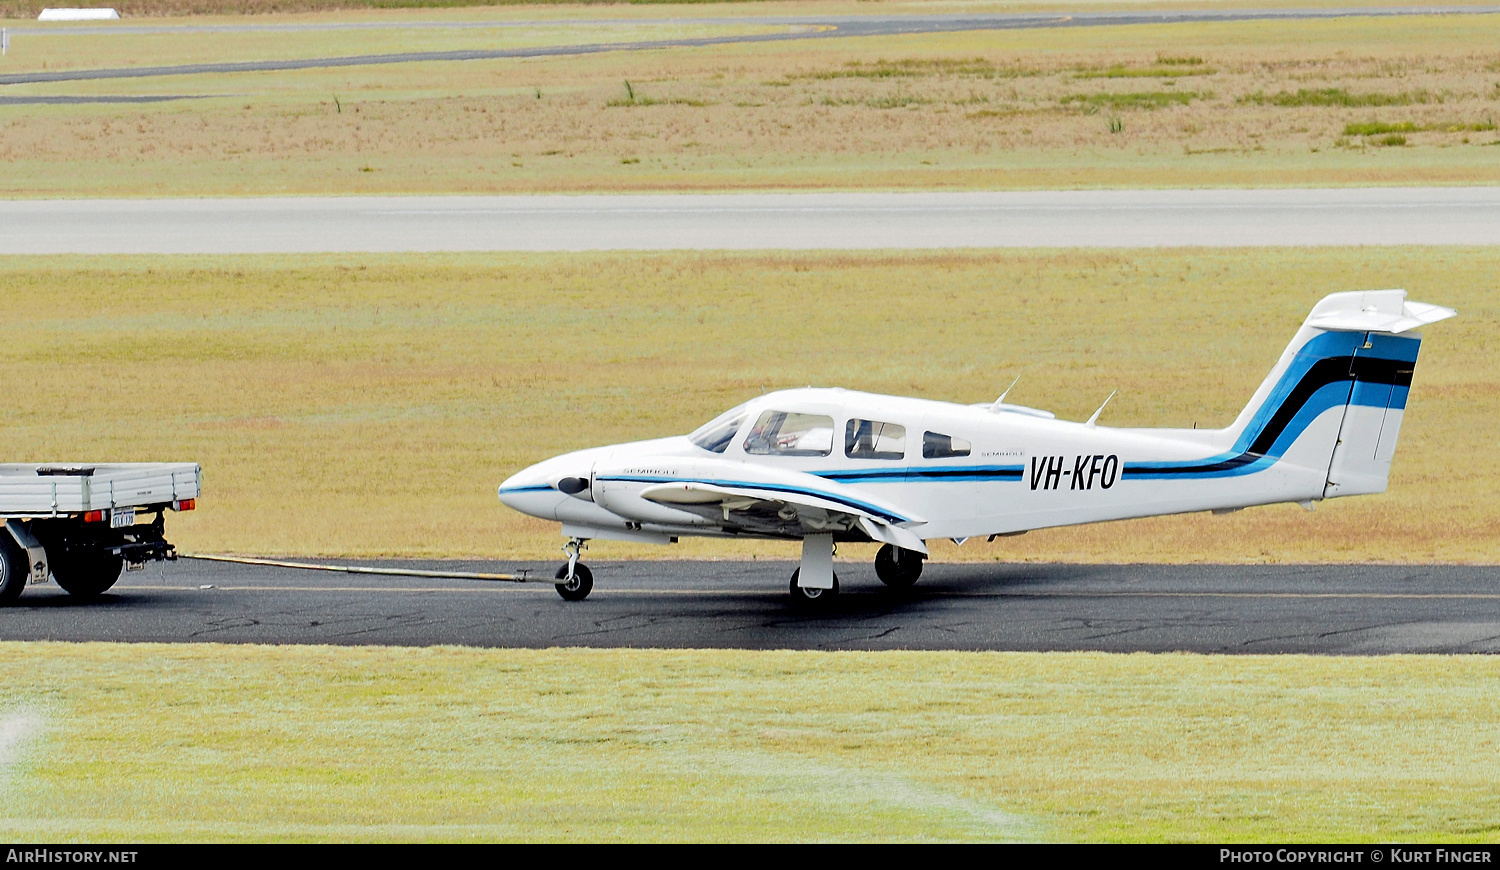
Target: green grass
[
  {"x": 1375, "y": 128},
  {"x": 915, "y": 67},
  {"x": 144, "y": 742},
  {"x": 1337, "y": 97},
  {"x": 1120, "y": 71},
  {"x": 1179, "y": 60},
  {"x": 1138, "y": 100},
  {"x": 369, "y": 405}
]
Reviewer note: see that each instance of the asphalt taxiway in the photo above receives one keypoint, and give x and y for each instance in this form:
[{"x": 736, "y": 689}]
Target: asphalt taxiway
[{"x": 1319, "y": 609}]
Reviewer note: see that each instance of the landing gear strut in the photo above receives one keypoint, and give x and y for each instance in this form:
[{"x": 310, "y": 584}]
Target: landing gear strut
[
  {"x": 576, "y": 581},
  {"x": 814, "y": 584},
  {"x": 897, "y": 567}
]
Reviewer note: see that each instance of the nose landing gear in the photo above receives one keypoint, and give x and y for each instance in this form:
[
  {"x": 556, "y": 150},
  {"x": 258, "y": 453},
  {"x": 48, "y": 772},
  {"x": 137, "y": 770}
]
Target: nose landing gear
[{"x": 576, "y": 581}]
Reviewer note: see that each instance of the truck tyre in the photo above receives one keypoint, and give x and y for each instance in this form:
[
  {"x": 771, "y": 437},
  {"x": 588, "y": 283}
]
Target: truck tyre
[
  {"x": 15, "y": 568},
  {"x": 86, "y": 573}
]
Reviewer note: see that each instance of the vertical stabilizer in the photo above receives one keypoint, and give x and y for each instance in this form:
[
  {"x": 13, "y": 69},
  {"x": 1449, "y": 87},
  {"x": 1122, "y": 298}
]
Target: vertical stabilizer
[{"x": 1335, "y": 398}]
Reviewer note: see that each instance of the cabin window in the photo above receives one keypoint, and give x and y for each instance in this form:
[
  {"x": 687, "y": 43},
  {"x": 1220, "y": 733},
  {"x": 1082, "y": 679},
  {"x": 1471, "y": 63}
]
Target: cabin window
[
  {"x": 715, "y": 435},
  {"x": 869, "y": 439},
  {"x": 788, "y": 433},
  {"x": 938, "y": 446}
]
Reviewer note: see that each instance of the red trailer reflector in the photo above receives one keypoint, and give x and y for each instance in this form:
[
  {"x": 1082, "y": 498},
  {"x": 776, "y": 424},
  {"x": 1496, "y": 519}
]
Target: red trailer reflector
[
  {"x": 93, "y": 517},
  {"x": 186, "y": 504}
]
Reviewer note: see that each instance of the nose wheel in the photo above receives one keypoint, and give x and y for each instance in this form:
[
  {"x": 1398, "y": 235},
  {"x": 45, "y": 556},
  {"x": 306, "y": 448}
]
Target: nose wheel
[
  {"x": 575, "y": 580},
  {"x": 577, "y": 587}
]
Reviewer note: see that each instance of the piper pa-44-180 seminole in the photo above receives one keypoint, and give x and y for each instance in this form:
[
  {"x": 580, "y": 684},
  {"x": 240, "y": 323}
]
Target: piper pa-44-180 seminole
[{"x": 831, "y": 465}]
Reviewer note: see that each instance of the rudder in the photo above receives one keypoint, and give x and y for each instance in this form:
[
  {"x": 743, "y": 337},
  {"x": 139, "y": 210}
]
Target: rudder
[
  {"x": 1336, "y": 397},
  {"x": 1382, "y": 370}
]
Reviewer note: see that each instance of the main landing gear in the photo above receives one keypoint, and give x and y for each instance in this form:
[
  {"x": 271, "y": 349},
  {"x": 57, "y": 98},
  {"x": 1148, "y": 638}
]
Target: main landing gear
[
  {"x": 897, "y": 567},
  {"x": 575, "y": 580},
  {"x": 814, "y": 585},
  {"x": 807, "y": 596}
]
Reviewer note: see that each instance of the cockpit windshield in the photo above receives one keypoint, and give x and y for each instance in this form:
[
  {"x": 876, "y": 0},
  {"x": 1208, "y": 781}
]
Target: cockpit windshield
[{"x": 715, "y": 435}]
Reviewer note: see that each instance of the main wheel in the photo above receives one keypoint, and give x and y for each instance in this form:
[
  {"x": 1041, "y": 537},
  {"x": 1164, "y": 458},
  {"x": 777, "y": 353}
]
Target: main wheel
[
  {"x": 86, "y": 573},
  {"x": 579, "y": 587},
  {"x": 15, "y": 568},
  {"x": 813, "y": 597},
  {"x": 897, "y": 567}
]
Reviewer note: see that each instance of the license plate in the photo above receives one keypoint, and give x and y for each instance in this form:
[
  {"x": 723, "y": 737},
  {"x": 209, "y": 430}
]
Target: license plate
[{"x": 121, "y": 518}]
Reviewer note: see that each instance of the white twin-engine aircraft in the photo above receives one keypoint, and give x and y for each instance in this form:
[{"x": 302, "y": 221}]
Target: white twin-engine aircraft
[{"x": 829, "y": 465}]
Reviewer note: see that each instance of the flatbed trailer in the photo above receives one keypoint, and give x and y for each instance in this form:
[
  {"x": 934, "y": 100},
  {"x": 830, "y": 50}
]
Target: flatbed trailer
[{"x": 82, "y": 524}]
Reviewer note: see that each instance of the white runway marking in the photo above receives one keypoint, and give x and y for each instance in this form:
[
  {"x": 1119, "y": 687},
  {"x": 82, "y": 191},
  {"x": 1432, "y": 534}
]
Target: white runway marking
[{"x": 839, "y": 221}]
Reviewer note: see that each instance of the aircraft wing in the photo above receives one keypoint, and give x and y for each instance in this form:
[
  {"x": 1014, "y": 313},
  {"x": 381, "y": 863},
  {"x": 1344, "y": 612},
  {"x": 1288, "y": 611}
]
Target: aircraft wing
[{"x": 761, "y": 509}]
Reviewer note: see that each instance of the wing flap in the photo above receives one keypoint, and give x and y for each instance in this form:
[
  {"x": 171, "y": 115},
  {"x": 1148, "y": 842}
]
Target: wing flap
[
  {"x": 810, "y": 512},
  {"x": 893, "y": 535}
]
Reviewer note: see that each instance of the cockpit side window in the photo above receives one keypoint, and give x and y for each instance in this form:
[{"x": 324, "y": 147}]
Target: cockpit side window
[
  {"x": 869, "y": 439},
  {"x": 715, "y": 435},
  {"x": 938, "y": 446},
  {"x": 788, "y": 433}
]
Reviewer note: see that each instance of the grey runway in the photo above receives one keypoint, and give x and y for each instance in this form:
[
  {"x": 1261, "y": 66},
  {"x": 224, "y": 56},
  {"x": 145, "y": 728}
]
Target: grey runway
[
  {"x": 1109, "y": 219},
  {"x": 7, "y": 100},
  {"x": 880, "y": 24},
  {"x": 1326, "y": 609},
  {"x": 797, "y": 28}
]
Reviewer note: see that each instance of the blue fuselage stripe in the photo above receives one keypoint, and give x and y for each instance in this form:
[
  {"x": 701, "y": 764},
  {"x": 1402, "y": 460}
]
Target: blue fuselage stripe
[
  {"x": 917, "y": 473},
  {"x": 1328, "y": 372},
  {"x": 1332, "y": 370},
  {"x": 768, "y": 487}
]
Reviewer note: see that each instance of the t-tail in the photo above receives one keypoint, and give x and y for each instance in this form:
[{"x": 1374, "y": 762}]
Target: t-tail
[{"x": 1336, "y": 397}]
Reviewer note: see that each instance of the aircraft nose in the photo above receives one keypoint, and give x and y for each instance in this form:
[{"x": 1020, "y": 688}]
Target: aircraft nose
[
  {"x": 530, "y": 492},
  {"x": 539, "y": 490}
]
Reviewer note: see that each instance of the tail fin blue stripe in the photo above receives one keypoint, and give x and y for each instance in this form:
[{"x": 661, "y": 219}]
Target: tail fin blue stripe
[{"x": 1331, "y": 370}]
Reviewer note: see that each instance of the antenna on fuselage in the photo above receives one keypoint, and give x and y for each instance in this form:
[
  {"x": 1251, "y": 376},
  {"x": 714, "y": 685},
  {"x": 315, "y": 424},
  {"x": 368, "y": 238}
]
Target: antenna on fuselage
[
  {"x": 1001, "y": 400},
  {"x": 1095, "y": 418}
]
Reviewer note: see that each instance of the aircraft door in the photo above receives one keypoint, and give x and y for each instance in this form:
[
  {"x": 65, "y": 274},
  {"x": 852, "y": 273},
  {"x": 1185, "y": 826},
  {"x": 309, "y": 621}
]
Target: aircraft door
[{"x": 941, "y": 475}]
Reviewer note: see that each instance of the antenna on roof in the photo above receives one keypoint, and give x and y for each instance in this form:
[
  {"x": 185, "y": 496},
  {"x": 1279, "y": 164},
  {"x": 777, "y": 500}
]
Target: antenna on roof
[
  {"x": 1095, "y": 418},
  {"x": 1012, "y": 386}
]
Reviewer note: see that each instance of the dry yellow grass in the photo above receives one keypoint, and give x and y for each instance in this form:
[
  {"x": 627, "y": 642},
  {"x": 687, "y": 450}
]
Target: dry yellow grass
[
  {"x": 25, "y": 9},
  {"x": 143, "y": 742},
  {"x": 369, "y": 405},
  {"x": 1191, "y": 105}
]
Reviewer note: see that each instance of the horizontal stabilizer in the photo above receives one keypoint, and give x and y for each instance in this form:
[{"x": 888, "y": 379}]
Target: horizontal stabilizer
[{"x": 1384, "y": 311}]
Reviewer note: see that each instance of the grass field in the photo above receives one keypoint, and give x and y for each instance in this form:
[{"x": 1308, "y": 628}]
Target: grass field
[
  {"x": 369, "y": 405},
  {"x": 106, "y": 742},
  {"x": 25, "y": 9},
  {"x": 1237, "y": 104}
]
